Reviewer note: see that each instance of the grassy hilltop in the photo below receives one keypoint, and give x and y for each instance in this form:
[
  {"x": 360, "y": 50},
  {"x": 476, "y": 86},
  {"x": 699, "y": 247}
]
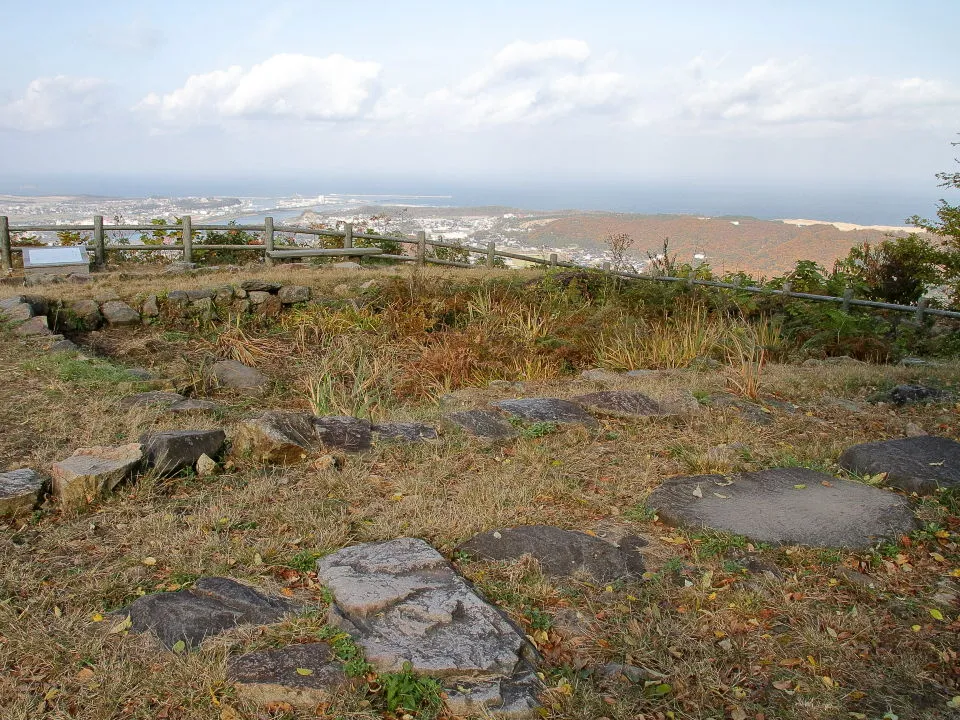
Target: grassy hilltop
[{"x": 721, "y": 626}]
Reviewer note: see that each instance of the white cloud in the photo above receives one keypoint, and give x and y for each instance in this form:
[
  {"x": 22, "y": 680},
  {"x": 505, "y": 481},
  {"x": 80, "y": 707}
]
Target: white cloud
[
  {"x": 523, "y": 83},
  {"x": 776, "y": 93},
  {"x": 333, "y": 88},
  {"x": 50, "y": 103}
]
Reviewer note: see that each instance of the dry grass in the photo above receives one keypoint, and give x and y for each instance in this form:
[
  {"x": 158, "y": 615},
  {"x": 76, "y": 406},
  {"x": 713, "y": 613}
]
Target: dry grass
[{"x": 727, "y": 642}]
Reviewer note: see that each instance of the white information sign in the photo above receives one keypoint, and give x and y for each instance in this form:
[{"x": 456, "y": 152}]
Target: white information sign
[{"x": 40, "y": 257}]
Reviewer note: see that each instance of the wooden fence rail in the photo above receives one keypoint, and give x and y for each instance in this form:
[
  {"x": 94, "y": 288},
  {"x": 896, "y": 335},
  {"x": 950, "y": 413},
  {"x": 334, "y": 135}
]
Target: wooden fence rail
[{"x": 186, "y": 230}]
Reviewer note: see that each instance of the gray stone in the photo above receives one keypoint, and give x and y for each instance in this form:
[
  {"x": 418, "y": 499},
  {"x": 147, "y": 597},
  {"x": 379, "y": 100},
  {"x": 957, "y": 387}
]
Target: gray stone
[
  {"x": 10, "y": 303},
  {"x": 559, "y": 552},
  {"x": 201, "y": 294},
  {"x": 117, "y": 312},
  {"x": 483, "y": 424},
  {"x": 202, "y": 308},
  {"x": 240, "y": 306},
  {"x": 81, "y": 315},
  {"x": 63, "y": 346},
  {"x": 916, "y": 464},
  {"x": 223, "y": 295},
  {"x": 258, "y": 297},
  {"x": 171, "y": 451},
  {"x": 212, "y": 606},
  {"x": 275, "y": 436},
  {"x": 260, "y": 286},
  {"x": 153, "y": 398},
  {"x": 910, "y": 394},
  {"x": 177, "y": 299},
  {"x": 193, "y": 405},
  {"x": 785, "y": 506},
  {"x": 237, "y": 376},
  {"x": 402, "y": 602},
  {"x": 611, "y": 674},
  {"x": 35, "y": 326},
  {"x": 179, "y": 267},
  {"x": 600, "y": 375},
  {"x": 547, "y": 410},
  {"x": 18, "y": 312},
  {"x": 340, "y": 432},
  {"x": 150, "y": 307},
  {"x": 621, "y": 403},
  {"x": 514, "y": 699},
  {"x": 93, "y": 472},
  {"x": 270, "y": 307},
  {"x": 20, "y": 492},
  {"x": 39, "y": 304},
  {"x": 403, "y": 432},
  {"x": 277, "y": 675},
  {"x": 292, "y": 294}
]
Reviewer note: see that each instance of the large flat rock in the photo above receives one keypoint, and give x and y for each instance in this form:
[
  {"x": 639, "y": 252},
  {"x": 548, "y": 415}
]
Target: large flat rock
[
  {"x": 402, "y": 602},
  {"x": 546, "y": 409},
  {"x": 785, "y": 506},
  {"x": 237, "y": 376},
  {"x": 403, "y": 432},
  {"x": 303, "y": 675},
  {"x": 95, "y": 471},
  {"x": 212, "y": 606},
  {"x": 20, "y": 492},
  {"x": 621, "y": 403},
  {"x": 171, "y": 451},
  {"x": 915, "y": 464},
  {"x": 483, "y": 424},
  {"x": 560, "y": 552},
  {"x": 286, "y": 437}
]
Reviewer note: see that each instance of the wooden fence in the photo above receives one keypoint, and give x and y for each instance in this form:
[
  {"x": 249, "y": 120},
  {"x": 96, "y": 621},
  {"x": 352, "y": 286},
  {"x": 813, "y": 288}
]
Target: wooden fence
[{"x": 271, "y": 252}]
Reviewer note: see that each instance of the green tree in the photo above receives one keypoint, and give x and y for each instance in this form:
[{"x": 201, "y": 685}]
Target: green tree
[{"x": 899, "y": 270}]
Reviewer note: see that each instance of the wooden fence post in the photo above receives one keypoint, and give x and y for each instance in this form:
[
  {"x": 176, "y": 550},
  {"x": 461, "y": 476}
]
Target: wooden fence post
[
  {"x": 553, "y": 259},
  {"x": 348, "y": 235},
  {"x": 99, "y": 248},
  {"x": 421, "y": 247},
  {"x": 605, "y": 268},
  {"x": 921, "y": 306},
  {"x": 787, "y": 288},
  {"x": 847, "y": 297},
  {"x": 491, "y": 253},
  {"x": 5, "y": 258},
  {"x": 267, "y": 241},
  {"x": 187, "y": 234}
]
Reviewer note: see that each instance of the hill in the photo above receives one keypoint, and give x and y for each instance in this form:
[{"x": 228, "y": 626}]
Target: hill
[{"x": 730, "y": 243}]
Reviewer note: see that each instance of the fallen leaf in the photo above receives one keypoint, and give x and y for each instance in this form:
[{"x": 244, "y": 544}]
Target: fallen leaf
[
  {"x": 938, "y": 557},
  {"x": 801, "y": 486},
  {"x": 304, "y": 671},
  {"x": 936, "y": 614},
  {"x": 179, "y": 646},
  {"x": 122, "y": 626},
  {"x": 722, "y": 497},
  {"x": 698, "y": 493},
  {"x": 149, "y": 561},
  {"x": 783, "y": 684}
]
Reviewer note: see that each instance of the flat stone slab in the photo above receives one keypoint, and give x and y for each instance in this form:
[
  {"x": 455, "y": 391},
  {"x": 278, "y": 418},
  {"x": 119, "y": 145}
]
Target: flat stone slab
[
  {"x": 402, "y": 602},
  {"x": 303, "y": 675},
  {"x": 237, "y": 376},
  {"x": 193, "y": 405},
  {"x": 553, "y": 410},
  {"x": 212, "y": 606},
  {"x": 20, "y": 492},
  {"x": 403, "y": 432},
  {"x": 621, "y": 403},
  {"x": 286, "y": 437},
  {"x": 117, "y": 312},
  {"x": 911, "y": 394},
  {"x": 915, "y": 464},
  {"x": 174, "y": 450},
  {"x": 484, "y": 424},
  {"x": 95, "y": 471},
  {"x": 342, "y": 432},
  {"x": 785, "y": 506},
  {"x": 560, "y": 552}
]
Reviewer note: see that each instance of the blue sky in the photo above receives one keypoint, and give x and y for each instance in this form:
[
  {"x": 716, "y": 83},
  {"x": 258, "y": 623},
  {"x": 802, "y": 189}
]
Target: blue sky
[{"x": 829, "y": 94}]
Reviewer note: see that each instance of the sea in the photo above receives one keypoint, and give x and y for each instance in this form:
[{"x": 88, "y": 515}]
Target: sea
[{"x": 864, "y": 205}]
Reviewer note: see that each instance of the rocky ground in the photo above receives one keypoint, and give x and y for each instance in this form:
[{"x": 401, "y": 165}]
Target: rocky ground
[{"x": 644, "y": 544}]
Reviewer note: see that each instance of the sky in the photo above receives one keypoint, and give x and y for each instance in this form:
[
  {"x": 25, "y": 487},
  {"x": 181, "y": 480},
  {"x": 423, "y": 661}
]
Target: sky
[{"x": 820, "y": 95}]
